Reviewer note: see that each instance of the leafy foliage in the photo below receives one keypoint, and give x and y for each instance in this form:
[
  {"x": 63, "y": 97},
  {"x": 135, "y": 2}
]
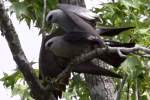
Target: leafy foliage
[
  {"x": 77, "y": 88},
  {"x": 122, "y": 13},
  {"x": 16, "y": 82},
  {"x": 128, "y": 13},
  {"x": 10, "y": 80},
  {"x": 131, "y": 13},
  {"x": 31, "y": 10}
]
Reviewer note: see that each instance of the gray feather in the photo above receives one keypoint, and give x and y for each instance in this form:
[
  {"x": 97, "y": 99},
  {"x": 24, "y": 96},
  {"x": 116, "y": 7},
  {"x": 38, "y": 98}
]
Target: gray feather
[
  {"x": 64, "y": 49},
  {"x": 80, "y": 11}
]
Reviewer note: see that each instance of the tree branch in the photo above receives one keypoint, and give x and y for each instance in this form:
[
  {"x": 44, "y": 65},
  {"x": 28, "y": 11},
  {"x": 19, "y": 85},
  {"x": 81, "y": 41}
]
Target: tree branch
[
  {"x": 42, "y": 31},
  {"x": 98, "y": 52},
  {"x": 19, "y": 56}
]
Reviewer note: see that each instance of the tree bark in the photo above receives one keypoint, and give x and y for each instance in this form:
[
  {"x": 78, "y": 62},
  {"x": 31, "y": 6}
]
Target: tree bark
[{"x": 100, "y": 87}]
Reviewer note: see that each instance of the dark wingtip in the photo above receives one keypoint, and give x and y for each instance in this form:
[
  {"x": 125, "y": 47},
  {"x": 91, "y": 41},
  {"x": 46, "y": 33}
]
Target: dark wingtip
[{"x": 112, "y": 31}]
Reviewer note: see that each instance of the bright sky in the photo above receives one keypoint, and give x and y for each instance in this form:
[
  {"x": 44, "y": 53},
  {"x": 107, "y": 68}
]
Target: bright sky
[{"x": 30, "y": 41}]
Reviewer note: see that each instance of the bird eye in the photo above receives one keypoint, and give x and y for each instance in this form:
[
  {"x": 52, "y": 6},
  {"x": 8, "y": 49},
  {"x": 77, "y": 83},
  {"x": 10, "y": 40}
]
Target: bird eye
[
  {"x": 49, "y": 44},
  {"x": 50, "y": 17}
]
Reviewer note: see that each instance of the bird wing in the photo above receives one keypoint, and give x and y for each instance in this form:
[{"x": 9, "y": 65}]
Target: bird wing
[
  {"x": 80, "y": 11},
  {"x": 50, "y": 66},
  {"x": 83, "y": 26},
  {"x": 79, "y": 22},
  {"x": 112, "y": 31}
]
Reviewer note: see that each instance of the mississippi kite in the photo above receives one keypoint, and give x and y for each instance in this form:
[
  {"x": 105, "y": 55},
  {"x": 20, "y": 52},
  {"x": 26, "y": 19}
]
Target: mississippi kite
[{"x": 52, "y": 62}]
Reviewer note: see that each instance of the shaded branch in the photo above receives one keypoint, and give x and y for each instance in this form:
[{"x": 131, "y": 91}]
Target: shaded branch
[
  {"x": 78, "y": 60},
  {"x": 42, "y": 31}
]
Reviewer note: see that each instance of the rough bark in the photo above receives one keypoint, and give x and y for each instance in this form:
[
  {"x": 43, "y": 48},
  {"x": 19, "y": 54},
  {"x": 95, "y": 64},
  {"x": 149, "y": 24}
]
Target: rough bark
[{"x": 101, "y": 88}]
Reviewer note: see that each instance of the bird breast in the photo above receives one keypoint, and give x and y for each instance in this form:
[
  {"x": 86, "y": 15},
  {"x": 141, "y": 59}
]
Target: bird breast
[{"x": 65, "y": 49}]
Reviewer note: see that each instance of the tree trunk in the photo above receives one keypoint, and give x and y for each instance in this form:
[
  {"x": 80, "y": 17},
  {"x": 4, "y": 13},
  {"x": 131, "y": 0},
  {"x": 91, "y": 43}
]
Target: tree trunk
[{"x": 101, "y": 88}]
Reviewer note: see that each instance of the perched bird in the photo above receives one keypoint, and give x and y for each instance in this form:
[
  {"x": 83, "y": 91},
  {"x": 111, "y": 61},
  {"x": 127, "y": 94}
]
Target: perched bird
[
  {"x": 66, "y": 49},
  {"x": 57, "y": 51},
  {"x": 52, "y": 62},
  {"x": 76, "y": 20},
  {"x": 74, "y": 25}
]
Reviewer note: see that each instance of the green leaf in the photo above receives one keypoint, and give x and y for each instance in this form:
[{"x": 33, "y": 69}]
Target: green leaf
[{"x": 11, "y": 80}]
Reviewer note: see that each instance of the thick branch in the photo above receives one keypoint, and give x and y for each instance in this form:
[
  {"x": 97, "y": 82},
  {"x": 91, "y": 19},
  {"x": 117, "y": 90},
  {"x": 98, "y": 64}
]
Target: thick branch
[
  {"x": 78, "y": 60},
  {"x": 42, "y": 31},
  {"x": 23, "y": 64}
]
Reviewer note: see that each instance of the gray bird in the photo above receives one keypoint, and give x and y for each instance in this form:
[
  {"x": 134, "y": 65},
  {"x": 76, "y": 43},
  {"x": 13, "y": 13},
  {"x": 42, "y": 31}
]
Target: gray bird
[
  {"x": 62, "y": 48},
  {"x": 73, "y": 24},
  {"x": 56, "y": 53},
  {"x": 78, "y": 20},
  {"x": 79, "y": 35}
]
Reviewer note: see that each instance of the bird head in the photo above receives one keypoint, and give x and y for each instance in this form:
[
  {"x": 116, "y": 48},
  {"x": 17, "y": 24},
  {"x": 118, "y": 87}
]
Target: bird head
[{"x": 54, "y": 15}]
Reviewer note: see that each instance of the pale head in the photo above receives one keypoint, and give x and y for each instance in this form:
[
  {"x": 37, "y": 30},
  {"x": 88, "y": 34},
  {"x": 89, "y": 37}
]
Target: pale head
[{"x": 54, "y": 15}]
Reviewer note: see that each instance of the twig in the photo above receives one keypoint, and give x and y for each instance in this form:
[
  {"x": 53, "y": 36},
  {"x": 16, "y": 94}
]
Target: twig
[
  {"x": 76, "y": 61},
  {"x": 43, "y": 20},
  {"x": 128, "y": 92},
  {"x": 129, "y": 50},
  {"x": 137, "y": 90},
  {"x": 118, "y": 93},
  {"x": 121, "y": 54}
]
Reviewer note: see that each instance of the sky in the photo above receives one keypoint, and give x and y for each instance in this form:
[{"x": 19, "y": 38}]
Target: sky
[{"x": 30, "y": 42}]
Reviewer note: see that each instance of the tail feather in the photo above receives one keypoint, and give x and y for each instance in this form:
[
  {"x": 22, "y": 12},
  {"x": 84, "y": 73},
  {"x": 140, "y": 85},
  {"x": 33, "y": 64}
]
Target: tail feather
[
  {"x": 112, "y": 58},
  {"x": 91, "y": 68}
]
